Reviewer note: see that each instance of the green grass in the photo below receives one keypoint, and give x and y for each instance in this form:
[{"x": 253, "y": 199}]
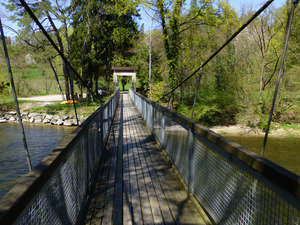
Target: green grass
[
  {"x": 290, "y": 126},
  {"x": 84, "y": 108},
  {"x": 32, "y": 74},
  {"x": 7, "y": 103},
  {"x": 127, "y": 86}
]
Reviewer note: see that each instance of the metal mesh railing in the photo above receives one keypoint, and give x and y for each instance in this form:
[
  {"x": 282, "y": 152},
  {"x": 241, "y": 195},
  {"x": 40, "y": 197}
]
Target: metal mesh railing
[
  {"x": 234, "y": 185},
  {"x": 55, "y": 191}
]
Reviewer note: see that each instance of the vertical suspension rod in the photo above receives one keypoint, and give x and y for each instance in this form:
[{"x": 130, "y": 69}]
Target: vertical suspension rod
[
  {"x": 294, "y": 4},
  {"x": 15, "y": 96},
  {"x": 196, "y": 94}
]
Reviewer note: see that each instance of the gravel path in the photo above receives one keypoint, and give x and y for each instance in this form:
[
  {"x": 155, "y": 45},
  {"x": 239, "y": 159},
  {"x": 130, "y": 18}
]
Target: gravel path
[{"x": 44, "y": 98}]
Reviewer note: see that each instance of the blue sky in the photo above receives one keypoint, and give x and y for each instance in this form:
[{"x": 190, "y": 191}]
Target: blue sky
[{"x": 237, "y": 4}]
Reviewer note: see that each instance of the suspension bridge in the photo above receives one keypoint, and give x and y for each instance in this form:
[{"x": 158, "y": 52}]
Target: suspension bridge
[{"x": 134, "y": 161}]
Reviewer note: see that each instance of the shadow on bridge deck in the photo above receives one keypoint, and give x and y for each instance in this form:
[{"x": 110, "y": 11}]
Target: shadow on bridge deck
[{"x": 136, "y": 184}]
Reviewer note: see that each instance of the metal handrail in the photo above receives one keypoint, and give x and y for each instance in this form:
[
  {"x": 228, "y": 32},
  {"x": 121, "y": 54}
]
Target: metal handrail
[
  {"x": 277, "y": 174},
  {"x": 259, "y": 176},
  {"x": 14, "y": 204}
]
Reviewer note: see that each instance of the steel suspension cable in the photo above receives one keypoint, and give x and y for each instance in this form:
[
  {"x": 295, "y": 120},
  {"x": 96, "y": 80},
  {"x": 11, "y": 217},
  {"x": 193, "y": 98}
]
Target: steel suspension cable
[
  {"x": 223, "y": 46},
  {"x": 15, "y": 96},
  {"x": 294, "y": 4}
]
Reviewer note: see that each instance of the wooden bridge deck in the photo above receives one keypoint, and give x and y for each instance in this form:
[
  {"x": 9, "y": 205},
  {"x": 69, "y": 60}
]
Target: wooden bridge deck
[{"x": 136, "y": 184}]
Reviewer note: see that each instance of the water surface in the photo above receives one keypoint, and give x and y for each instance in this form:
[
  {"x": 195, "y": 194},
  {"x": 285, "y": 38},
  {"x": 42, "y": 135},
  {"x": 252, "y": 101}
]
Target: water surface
[
  {"x": 284, "y": 151},
  {"x": 41, "y": 140}
]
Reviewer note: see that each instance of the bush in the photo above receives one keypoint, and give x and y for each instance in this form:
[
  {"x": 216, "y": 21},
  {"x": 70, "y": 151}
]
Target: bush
[
  {"x": 157, "y": 91},
  {"x": 208, "y": 115},
  {"x": 263, "y": 123}
]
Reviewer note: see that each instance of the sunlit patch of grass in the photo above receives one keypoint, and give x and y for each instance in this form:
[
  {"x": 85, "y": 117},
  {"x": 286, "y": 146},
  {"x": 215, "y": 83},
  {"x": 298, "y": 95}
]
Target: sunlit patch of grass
[
  {"x": 83, "y": 108},
  {"x": 32, "y": 74},
  {"x": 290, "y": 126},
  {"x": 7, "y": 103}
]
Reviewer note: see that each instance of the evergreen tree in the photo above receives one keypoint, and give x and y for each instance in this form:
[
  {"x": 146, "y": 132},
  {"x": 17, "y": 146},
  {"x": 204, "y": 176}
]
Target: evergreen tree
[{"x": 102, "y": 30}]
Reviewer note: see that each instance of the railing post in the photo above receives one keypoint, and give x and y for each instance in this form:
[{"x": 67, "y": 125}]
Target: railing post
[
  {"x": 151, "y": 125},
  {"x": 96, "y": 135},
  {"x": 108, "y": 122},
  {"x": 86, "y": 148},
  {"x": 144, "y": 109},
  {"x": 111, "y": 110},
  {"x": 191, "y": 140},
  {"x": 101, "y": 130},
  {"x": 163, "y": 126}
]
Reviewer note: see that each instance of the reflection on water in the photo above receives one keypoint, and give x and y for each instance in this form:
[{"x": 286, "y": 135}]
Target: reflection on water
[
  {"x": 41, "y": 140},
  {"x": 284, "y": 151}
]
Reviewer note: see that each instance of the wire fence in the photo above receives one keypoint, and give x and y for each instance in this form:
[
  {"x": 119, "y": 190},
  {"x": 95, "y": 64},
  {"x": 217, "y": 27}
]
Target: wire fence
[
  {"x": 55, "y": 191},
  {"x": 234, "y": 185}
]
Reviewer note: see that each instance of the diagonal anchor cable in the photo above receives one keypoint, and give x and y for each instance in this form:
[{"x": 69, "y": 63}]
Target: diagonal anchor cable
[
  {"x": 15, "y": 96},
  {"x": 223, "y": 46},
  {"x": 294, "y": 3}
]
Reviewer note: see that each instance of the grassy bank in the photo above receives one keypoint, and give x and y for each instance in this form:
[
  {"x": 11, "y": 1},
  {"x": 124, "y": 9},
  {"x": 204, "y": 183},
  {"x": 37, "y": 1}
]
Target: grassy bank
[{"x": 83, "y": 108}]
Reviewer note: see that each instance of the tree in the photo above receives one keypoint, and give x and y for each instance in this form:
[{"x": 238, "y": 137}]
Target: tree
[
  {"x": 47, "y": 11},
  {"x": 263, "y": 31},
  {"x": 170, "y": 23},
  {"x": 102, "y": 30},
  {"x": 180, "y": 28}
]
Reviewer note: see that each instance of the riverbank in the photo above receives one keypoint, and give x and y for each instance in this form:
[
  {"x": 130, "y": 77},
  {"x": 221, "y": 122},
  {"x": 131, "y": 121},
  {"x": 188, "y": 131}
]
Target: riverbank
[
  {"x": 278, "y": 130},
  {"x": 47, "y": 109},
  {"x": 38, "y": 117}
]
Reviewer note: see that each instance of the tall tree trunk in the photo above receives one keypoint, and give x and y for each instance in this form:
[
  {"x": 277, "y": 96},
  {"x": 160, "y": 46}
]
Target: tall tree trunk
[
  {"x": 261, "y": 80},
  {"x": 68, "y": 54},
  {"x": 56, "y": 77},
  {"x": 82, "y": 58},
  {"x": 65, "y": 67},
  {"x": 171, "y": 42},
  {"x": 108, "y": 65},
  {"x": 96, "y": 84}
]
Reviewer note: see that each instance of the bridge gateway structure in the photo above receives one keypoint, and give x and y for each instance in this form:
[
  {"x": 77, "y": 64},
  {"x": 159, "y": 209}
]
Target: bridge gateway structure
[
  {"x": 124, "y": 72},
  {"x": 117, "y": 175}
]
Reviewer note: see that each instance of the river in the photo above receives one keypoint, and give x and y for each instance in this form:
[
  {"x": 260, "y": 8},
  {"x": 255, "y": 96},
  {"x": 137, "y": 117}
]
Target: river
[
  {"x": 41, "y": 139},
  {"x": 284, "y": 151}
]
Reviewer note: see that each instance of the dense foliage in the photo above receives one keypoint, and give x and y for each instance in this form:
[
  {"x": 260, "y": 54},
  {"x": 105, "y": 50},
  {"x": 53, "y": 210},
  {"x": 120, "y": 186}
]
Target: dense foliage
[{"x": 236, "y": 86}]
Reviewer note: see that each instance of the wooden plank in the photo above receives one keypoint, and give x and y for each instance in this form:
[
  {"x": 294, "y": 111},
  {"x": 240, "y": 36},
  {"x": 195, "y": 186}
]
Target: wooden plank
[
  {"x": 137, "y": 185},
  {"x": 127, "y": 205},
  {"x": 187, "y": 212},
  {"x": 96, "y": 207},
  {"x": 108, "y": 208},
  {"x": 135, "y": 197},
  {"x": 184, "y": 213},
  {"x": 155, "y": 208},
  {"x": 159, "y": 194},
  {"x": 127, "y": 202},
  {"x": 146, "y": 207},
  {"x": 101, "y": 198},
  {"x": 118, "y": 198}
]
